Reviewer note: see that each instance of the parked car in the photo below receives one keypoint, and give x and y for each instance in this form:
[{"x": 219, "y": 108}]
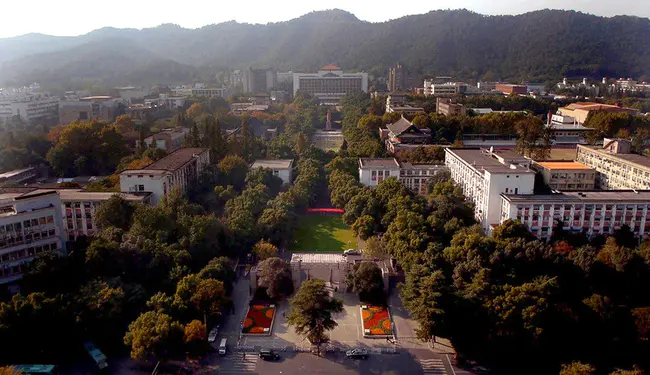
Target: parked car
[
  {"x": 357, "y": 353},
  {"x": 352, "y": 252},
  {"x": 212, "y": 336},
  {"x": 269, "y": 355}
]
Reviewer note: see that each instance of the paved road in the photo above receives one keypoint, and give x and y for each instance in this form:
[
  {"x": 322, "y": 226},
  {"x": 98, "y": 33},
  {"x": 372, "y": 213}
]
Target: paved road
[
  {"x": 381, "y": 364},
  {"x": 236, "y": 364}
]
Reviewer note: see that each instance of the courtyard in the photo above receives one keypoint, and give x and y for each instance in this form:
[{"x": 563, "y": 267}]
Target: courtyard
[
  {"x": 326, "y": 233},
  {"x": 348, "y": 333}
]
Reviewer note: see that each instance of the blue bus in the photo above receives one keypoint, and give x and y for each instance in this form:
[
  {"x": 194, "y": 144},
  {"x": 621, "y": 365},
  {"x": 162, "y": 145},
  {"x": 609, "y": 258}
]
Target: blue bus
[{"x": 36, "y": 369}]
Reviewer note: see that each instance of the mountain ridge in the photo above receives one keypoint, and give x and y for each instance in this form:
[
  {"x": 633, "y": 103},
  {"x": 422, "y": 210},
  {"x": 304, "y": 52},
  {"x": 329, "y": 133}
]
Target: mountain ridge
[{"x": 540, "y": 45}]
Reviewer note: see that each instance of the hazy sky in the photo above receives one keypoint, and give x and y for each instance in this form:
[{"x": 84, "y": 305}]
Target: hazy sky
[{"x": 74, "y": 17}]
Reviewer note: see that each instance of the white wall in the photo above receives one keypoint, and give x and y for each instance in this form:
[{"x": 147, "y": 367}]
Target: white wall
[
  {"x": 33, "y": 208},
  {"x": 515, "y": 183},
  {"x": 365, "y": 175},
  {"x": 153, "y": 185},
  {"x": 284, "y": 174}
]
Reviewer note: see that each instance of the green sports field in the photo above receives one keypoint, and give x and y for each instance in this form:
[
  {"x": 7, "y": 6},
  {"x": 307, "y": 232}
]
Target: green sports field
[{"x": 323, "y": 233}]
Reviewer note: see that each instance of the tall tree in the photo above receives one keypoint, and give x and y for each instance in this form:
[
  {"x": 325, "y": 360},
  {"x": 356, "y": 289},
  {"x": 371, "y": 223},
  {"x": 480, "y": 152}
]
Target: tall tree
[
  {"x": 275, "y": 276},
  {"x": 311, "y": 312},
  {"x": 115, "y": 212},
  {"x": 534, "y": 138},
  {"x": 264, "y": 250},
  {"x": 233, "y": 169},
  {"x": 366, "y": 279},
  {"x": 153, "y": 334}
]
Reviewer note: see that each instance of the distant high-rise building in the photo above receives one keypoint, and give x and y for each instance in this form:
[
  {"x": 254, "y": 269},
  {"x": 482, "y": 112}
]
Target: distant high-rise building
[
  {"x": 397, "y": 77},
  {"x": 258, "y": 80},
  {"x": 400, "y": 78}
]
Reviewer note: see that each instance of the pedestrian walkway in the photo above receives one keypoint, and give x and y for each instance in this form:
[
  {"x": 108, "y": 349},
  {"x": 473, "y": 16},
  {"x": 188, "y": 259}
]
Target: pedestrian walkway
[
  {"x": 235, "y": 364},
  {"x": 433, "y": 366}
]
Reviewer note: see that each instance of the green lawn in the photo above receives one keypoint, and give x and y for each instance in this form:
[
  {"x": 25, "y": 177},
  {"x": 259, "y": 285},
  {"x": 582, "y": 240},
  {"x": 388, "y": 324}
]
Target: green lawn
[{"x": 323, "y": 233}]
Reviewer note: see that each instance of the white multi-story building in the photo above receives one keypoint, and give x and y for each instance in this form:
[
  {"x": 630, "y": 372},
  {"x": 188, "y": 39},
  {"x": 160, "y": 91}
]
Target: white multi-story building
[
  {"x": 432, "y": 87},
  {"x": 415, "y": 177},
  {"x": 372, "y": 171},
  {"x": 78, "y": 208},
  {"x": 282, "y": 168},
  {"x": 617, "y": 168},
  {"x": 28, "y": 107},
  {"x": 330, "y": 84},
  {"x": 594, "y": 212},
  {"x": 180, "y": 169},
  {"x": 484, "y": 175},
  {"x": 566, "y": 175},
  {"x": 30, "y": 223}
]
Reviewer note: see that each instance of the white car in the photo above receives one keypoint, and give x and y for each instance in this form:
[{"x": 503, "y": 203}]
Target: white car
[
  {"x": 352, "y": 252},
  {"x": 212, "y": 336}
]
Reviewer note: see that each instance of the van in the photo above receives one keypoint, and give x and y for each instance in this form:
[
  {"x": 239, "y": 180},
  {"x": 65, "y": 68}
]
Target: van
[{"x": 222, "y": 347}]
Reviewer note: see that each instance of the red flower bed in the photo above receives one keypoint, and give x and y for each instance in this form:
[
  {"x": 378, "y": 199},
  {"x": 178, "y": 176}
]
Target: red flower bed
[
  {"x": 376, "y": 320},
  {"x": 258, "y": 318}
]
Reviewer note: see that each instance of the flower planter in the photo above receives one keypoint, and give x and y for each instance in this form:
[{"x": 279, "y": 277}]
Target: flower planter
[
  {"x": 376, "y": 322},
  {"x": 259, "y": 320}
]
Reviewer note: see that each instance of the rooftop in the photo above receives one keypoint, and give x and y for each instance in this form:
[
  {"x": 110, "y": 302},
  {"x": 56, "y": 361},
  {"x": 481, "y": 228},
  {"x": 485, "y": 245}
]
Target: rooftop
[
  {"x": 563, "y": 165},
  {"x": 273, "y": 164},
  {"x": 640, "y": 196},
  {"x": 481, "y": 160},
  {"x": 171, "y": 162},
  {"x": 378, "y": 162},
  {"x": 14, "y": 172},
  {"x": 98, "y": 196},
  {"x": 597, "y": 106},
  {"x": 171, "y": 131},
  {"x": 399, "y": 126},
  {"x": 21, "y": 193},
  {"x": 326, "y": 258},
  {"x": 640, "y": 160},
  {"x": 406, "y": 165}
]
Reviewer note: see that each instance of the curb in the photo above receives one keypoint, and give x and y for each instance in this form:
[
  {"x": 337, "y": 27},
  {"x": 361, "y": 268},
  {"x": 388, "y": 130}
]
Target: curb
[{"x": 327, "y": 349}]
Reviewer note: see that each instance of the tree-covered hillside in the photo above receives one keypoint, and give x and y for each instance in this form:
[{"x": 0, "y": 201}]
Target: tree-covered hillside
[{"x": 541, "y": 45}]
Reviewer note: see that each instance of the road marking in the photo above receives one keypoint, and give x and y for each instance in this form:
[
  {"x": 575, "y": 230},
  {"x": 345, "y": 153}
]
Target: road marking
[
  {"x": 433, "y": 366},
  {"x": 450, "y": 365},
  {"x": 235, "y": 364}
]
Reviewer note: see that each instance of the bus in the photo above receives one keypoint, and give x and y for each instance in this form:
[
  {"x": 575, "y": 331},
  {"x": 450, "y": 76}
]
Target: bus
[{"x": 37, "y": 369}]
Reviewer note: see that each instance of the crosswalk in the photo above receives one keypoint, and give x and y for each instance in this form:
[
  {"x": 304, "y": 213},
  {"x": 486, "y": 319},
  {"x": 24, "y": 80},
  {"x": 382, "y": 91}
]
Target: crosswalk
[
  {"x": 236, "y": 364},
  {"x": 433, "y": 366}
]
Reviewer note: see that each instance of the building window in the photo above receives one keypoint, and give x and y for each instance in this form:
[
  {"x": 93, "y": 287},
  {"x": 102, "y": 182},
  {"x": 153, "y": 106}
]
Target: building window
[{"x": 140, "y": 187}]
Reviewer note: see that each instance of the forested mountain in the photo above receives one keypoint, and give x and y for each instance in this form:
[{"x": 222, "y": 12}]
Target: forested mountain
[{"x": 540, "y": 45}]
